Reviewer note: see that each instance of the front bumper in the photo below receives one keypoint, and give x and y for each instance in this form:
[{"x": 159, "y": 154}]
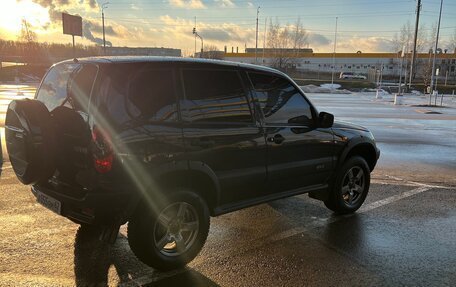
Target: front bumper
[{"x": 89, "y": 207}]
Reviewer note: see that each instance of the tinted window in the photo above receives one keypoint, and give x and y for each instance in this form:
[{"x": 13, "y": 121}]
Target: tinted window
[
  {"x": 215, "y": 96},
  {"x": 146, "y": 95},
  {"x": 151, "y": 95},
  {"x": 81, "y": 87},
  {"x": 53, "y": 90},
  {"x": 280, "y": 101}
]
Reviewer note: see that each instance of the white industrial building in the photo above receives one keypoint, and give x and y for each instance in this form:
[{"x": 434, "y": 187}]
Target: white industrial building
[{"x": 360, "y": 63}]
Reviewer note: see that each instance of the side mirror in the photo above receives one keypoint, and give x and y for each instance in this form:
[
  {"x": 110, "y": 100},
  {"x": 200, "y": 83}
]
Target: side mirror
[{"x": 325, "y": 120}]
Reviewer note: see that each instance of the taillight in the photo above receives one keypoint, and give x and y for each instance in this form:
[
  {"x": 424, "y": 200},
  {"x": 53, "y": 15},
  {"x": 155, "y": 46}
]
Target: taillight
[{"x": 102, "y": 151}]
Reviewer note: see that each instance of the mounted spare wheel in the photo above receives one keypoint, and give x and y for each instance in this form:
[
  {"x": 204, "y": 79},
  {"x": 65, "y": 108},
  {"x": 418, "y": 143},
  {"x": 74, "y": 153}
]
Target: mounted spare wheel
[{"x": 30, "y": 140}]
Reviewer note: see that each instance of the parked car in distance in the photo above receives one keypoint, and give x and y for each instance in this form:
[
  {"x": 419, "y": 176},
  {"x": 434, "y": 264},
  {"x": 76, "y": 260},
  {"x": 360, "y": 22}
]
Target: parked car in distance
[
  {"x": 165, "y": 143},
  {"x": 350, "y": 75}
]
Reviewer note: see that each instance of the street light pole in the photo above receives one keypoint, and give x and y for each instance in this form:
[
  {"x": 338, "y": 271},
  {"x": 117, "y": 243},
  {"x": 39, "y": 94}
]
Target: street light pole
[
  {"x": 104, "y": 6},
  {"x": 256, "y": 36},
  {"x": 334, "y": 56},
  {"x": 202, "y": 42},
  {"x": 412, "y": 66},
  {"x": 436, "y": 47}
]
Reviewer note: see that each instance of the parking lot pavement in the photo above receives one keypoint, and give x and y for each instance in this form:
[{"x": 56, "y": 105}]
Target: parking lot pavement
[{"x": 403, "y": 235}]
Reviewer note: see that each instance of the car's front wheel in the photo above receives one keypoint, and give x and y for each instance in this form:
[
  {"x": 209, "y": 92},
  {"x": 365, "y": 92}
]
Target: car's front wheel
[
  {"x": 168, "y": 235},
  {"x": 350, "y": 187}
]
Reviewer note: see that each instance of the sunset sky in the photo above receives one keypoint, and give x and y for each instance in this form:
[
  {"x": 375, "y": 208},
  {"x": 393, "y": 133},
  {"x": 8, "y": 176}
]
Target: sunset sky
[{"x": 367, "y": 25}]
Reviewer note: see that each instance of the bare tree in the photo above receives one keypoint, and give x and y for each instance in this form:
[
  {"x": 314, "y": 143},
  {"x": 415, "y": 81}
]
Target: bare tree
[
  {"x": 27, "y": 34},
  {"x": 404, "y": 38},
  {"x": 212, "y": 52},
  {"x": 452, "y": 43},
  {"x": 285, "y": 43}
]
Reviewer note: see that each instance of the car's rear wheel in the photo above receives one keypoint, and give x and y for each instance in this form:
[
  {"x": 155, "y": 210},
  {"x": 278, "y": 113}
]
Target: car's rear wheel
[
  {"x": 169, "y": 235},
  {"x": 350, "y": 187}
]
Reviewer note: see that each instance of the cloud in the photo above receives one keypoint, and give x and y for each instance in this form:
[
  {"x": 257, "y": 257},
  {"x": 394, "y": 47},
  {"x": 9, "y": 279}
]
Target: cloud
[
  {"x": 96, "y": 26},
  {"x": 317, "y": 39},
  {"x": 56, "y": 7},
  {"x": 225, "y": 3},
  {"x": 189, "y": 4},
  {"x": 364, "y": 44},
  {"x": 87, "y": 27},
  {"x": 212, "y": 33},
  {"x": 92, "y": 4}
]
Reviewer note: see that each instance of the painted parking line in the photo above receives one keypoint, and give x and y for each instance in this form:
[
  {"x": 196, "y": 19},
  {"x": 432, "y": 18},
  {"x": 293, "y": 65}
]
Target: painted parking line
[
  {"x": 392, "y": 199},
  {"x": 152, "y": 276}
]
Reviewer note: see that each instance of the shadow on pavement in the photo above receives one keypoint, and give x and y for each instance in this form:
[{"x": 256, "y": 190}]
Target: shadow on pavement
[{"x": 93, "y": 260}]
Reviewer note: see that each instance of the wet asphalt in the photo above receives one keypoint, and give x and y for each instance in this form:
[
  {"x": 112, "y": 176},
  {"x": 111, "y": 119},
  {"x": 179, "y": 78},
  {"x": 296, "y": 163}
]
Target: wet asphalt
[{"x": 404, "y": 235}]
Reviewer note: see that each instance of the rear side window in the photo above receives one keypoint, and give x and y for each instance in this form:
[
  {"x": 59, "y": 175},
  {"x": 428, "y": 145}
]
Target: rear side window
[
  {"x": 80, "y": 87},
  {"x": 53, "y": 90},
  {"x": 69, "y": 85},
  {"x": 215, "y": 96},
  {"x": 280, "y": 101},
  {"x": 132, "y": 92}
]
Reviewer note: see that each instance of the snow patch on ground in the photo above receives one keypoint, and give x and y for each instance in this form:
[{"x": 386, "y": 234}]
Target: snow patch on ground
[
  {"x": 414, "y": 99},
  {"x": 323, "y": 89},
  {"x": 330, "y": 86}
]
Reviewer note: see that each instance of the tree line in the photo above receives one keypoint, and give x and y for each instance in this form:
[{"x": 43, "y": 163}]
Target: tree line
[{"x": 43, "y": 53}]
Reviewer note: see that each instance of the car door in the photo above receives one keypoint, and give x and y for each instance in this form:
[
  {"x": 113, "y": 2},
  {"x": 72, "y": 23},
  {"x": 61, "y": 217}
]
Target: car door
[
  {"x": 138, "y": 107},
  {"x": 299, "y": 153},
  {"x": 220, "y": 131}
]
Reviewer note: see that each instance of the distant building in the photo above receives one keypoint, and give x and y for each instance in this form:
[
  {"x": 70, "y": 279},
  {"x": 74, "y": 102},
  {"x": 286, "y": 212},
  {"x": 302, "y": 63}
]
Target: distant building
[
  {"x": 286, "y": 50},
  {"x": 127, "y": 51},
  {"x": 361, "y": 63}
]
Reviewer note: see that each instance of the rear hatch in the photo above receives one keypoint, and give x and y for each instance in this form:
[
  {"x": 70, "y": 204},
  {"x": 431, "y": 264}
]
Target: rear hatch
[{"x": 66, "y": 91}]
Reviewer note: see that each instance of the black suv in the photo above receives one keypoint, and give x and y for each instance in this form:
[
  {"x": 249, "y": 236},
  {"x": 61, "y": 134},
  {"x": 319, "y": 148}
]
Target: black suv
[{"x": 165, "y": 143}]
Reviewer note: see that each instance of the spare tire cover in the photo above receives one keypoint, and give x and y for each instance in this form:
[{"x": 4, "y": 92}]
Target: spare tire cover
[{"x": 30, "y": 140}]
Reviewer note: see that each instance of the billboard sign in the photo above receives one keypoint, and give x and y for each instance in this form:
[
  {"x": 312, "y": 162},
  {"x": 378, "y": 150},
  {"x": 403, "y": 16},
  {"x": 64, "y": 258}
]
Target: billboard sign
[{"x": 72, "y": 25}]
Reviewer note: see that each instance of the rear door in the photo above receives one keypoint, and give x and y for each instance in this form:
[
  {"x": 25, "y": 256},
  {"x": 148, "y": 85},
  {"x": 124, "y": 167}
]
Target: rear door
[
  {"x": 299, "y": 154},
  {"x": 138, "y": 108},
  {"x": 221, "y": 133},
  {"x": 66, "y": 92}
]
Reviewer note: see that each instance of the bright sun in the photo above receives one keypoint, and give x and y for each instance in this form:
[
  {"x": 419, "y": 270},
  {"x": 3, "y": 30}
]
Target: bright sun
[{"x": 12, "y": 13}]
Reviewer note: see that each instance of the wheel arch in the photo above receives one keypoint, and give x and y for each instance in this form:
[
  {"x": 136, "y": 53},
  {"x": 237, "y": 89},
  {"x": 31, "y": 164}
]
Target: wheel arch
[
  {"x": 200, "y": 178},
  {"x": 360, "y": 148}
]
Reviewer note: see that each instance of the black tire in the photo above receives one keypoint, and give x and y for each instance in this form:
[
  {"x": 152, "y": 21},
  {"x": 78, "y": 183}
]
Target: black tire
[
  {"x": 144, "y": 229},
  {"x": 349, "y": 192},
  {"x": 30, "y": 140}
]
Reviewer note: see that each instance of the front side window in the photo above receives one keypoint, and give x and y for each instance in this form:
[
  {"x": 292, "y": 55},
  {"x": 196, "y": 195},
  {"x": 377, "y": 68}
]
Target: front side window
[
  {"x": 151, "y": 95},
  {"x": 280, "y": 101},
  {"x": 214, "y": 96}
]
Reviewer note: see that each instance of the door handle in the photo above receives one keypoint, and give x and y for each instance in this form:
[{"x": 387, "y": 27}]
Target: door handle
[{"x": 277, "y": 139}]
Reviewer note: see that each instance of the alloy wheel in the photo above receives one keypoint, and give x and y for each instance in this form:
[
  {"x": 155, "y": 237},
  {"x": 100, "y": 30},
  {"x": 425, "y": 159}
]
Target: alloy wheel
[
  {"x": 176, "y": 229},
  {"x": 353, "y": 185}
]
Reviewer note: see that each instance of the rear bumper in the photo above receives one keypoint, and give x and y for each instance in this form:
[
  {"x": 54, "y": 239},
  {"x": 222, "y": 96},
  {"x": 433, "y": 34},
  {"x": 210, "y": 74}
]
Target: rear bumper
[{"x": 91, "y": 208}]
